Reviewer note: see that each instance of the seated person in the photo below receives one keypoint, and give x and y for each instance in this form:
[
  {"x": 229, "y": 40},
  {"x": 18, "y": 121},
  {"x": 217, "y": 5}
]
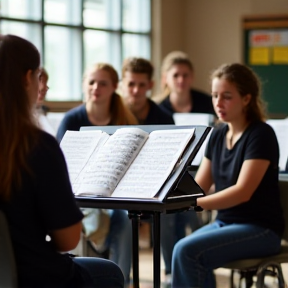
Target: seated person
[
  {"x": 35, "y": 191},
  {"x": 177, "y": 79},
  {"x": 137, "y": 81},
  {"x": 103, "y": 106},
  {"x": 41, "y": 110},
  {"x": 243, "y": 165}
]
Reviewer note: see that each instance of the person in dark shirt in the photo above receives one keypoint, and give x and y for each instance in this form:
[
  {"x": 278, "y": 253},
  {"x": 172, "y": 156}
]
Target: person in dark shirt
[
  {"x": 137, "y": 81},
  {"x": 35, "y": 192},
  {"x": 103, "y": 106},
  {"x": 177, "y": 79},
  {"x": 137, "y": 76},
  {"x": 241, "y": 160}
]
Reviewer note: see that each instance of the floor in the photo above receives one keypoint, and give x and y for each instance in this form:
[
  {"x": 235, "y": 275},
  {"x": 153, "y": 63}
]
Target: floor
[{"x": 146, "y": 266}]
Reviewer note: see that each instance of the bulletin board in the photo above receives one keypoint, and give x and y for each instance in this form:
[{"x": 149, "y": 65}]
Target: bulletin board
[{"x": 266, "y": 52}]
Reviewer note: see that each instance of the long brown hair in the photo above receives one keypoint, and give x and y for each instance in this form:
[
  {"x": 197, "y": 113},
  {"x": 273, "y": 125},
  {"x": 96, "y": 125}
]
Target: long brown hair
[
  {"x": 120, "y": 114},
  {"x": 18, "y": 132},
  {"x": 246, "y": 82}
]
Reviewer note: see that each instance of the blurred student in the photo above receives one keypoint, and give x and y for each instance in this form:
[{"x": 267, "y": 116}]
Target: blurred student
[
  {"x": 137, "y": 76},
  {"x": 137, "y": 82},
  {"x": 41, "y": 110},
  {"x": 243, "y": 165},
  {"x": 103, "y": 106},
  {"x": 177, "y": 80},
  {"x": 35, "y": 191}
]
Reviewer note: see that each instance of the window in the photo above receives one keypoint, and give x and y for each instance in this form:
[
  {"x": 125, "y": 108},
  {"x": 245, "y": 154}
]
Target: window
[{"x": 73, "y": 35}]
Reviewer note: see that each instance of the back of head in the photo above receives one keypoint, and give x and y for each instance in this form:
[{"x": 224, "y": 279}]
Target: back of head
[
  {"x": 138, "y": 65},
  {"x": 17, "y": 57},
  {"x": 17, "y": 128},
  {"x": 246, "y": 82}
]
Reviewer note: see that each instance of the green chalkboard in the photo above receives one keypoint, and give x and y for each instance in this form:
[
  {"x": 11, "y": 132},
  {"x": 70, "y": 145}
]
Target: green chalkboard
[{"x": 274, "y": 80}]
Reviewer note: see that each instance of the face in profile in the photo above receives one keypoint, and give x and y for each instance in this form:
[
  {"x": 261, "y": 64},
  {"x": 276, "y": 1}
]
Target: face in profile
[
  {"x": 135, "y": 87},
  {"x": 32, "y": 85},
  {"x": 98, "y": 87},
  {"x": 179, "y": 78},
  {"x": 43, "y": 88},
  {"x": 228, "y": 103}
]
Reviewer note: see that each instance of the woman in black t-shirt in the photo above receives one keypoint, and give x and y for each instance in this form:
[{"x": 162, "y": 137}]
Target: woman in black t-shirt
[
  {"x": 244, "y": 169},
  {"x": 35, "y": 191}
]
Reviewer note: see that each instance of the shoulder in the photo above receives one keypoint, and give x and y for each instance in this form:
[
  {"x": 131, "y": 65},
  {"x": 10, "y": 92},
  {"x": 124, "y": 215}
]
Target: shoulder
[
  {"x": 166, "y": 105},
  {"x": 164, "y": 116},
  {"x": 198, "y": 93},
  {"x": 202, "y": 102},
  {"x": 261, "y": 129},
  {"x": 76, "y": 112},
  {"x": 47, "y": 146},
  {"x": 73, "y": 120}
]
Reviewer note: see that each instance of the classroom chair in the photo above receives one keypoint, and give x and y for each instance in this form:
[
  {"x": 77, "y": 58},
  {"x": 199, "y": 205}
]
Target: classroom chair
[
  {"x": 250, "y": 269},
  {"x": 8, "y": 273}
]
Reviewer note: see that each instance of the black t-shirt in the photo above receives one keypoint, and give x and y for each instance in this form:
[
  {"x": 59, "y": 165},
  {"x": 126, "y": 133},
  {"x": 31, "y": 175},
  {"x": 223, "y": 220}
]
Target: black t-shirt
[
  {"x": 44, "y": 203},
  {"x": 202, "y": 103},
  {"x": 157, "y": 116},
  {"x": 73, "y": 120},
  {"x": 257, "y": 142}
]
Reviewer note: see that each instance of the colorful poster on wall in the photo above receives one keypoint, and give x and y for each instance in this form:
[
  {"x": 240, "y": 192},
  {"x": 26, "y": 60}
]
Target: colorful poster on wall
[{"x": 268, "y": 47}]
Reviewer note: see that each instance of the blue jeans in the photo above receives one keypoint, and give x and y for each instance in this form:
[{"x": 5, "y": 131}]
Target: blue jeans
[
  {"x": 210, "y": 247},
  {"x": 173, "y": 228},
  {"x": 97, "y": 272},
  {"x": 119, "y": 241}
]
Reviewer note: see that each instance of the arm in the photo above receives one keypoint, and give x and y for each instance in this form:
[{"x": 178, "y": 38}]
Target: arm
[
  {"x": 250, "y": 176},
  {"x": 204, "y": 175},
  {"x": 66, "y": 239}
]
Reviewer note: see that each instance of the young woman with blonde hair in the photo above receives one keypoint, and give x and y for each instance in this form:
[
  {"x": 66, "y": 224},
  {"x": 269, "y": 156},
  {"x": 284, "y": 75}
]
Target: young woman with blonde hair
[{"x": 103, "y": 106}]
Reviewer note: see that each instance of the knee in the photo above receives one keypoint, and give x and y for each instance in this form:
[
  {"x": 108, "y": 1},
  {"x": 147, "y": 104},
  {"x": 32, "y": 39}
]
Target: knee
[{"x": 180, "y": 250}]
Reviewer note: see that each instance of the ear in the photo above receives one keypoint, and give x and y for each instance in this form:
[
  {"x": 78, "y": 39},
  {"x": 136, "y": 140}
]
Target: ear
[
  {"x": 247, "y": 99},
  {"x": 151, "y": 85},
  {"x": 28, "y": 78}
]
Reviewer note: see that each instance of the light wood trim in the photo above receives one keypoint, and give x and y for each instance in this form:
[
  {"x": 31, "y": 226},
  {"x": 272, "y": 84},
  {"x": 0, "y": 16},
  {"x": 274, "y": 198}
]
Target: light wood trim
[
  {"x": 265, "y": 21},
  {"x": 61, "y": 106}
]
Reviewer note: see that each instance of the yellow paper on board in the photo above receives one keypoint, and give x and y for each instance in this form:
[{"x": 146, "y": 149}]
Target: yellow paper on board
[
  {"x": 259, "y": 56},
  {"x": 280, "y": 55}
]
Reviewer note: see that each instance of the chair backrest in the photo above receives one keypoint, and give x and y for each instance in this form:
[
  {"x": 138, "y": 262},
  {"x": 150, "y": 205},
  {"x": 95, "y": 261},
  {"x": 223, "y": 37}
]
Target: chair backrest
[
  {"x": 8, "y": 274},
  {"x": 283, "y": 185}
]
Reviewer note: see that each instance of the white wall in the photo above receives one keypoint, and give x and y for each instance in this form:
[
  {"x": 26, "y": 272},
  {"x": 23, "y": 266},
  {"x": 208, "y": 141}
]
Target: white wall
[{"x": 208, "y": 30}]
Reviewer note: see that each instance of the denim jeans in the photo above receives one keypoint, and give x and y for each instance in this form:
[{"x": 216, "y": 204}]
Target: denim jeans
[
  {"x": 119, "y": 241},
  {"x": 210, "y": 247},
  {"x": 173, "y": 228},
  {"x": 97, "y": 272}
]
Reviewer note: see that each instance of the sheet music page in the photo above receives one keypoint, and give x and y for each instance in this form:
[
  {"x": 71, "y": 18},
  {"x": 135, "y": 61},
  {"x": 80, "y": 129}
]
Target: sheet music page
[
  {"x": 77, "y": 147},
  {"x": 110, "y": 163},
  {"x": 280, "y": 127},
  {"x": 193, "y": 118},
  {"x": 154, "y": 163}
]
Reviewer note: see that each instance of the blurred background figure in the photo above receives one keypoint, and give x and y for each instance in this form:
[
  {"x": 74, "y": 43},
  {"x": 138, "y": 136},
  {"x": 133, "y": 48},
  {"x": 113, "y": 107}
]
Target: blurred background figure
[
  {"x": 177, "y": 81},
  {"x": 136, "y": 83},
  {"x": 103, "y": 106}
]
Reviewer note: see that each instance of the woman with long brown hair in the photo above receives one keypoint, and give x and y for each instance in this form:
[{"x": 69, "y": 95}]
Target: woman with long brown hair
[{"x": 35, "y": 191}]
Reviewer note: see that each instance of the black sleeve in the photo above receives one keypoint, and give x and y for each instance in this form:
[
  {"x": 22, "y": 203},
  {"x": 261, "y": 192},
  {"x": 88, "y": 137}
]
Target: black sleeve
[{"x": 55, "y": 199}]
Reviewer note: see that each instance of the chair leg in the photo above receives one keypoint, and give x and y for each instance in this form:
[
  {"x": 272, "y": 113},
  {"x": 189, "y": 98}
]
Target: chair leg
[{"x": 261, "y": 274}]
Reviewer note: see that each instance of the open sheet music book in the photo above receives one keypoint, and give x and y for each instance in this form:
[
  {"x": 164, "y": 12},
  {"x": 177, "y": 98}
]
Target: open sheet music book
[{"x": 130, "y": 163}]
